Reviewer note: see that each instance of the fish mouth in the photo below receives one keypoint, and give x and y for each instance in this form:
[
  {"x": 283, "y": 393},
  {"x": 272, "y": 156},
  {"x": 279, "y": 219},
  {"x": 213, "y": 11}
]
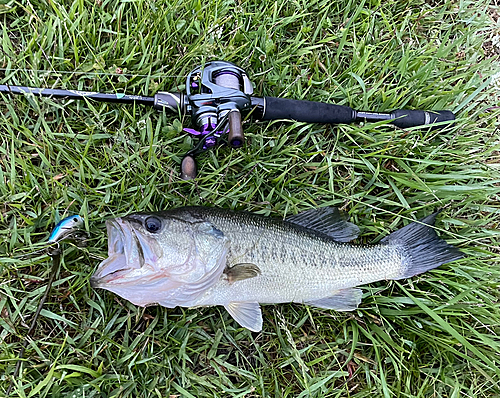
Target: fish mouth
[{"x": 128, "y": 250}]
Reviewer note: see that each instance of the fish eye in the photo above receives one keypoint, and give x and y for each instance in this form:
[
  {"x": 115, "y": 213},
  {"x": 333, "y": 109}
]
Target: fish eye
[{"x": 152, "y": 224}]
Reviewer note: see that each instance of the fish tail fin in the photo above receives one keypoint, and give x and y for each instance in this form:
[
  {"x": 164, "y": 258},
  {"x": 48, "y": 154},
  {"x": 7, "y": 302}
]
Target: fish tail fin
[{"x": 424, "y": 248}]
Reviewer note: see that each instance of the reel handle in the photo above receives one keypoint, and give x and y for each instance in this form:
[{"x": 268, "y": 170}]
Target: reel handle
[
  {"x": 235, "y": 136},
  {"x": 188, "y": 168}
]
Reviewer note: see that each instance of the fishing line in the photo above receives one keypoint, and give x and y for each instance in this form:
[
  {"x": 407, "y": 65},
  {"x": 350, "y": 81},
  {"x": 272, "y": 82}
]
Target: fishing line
[
  {"x": 56, "y": 261},
  {"x": 87, "y": 73},
  {"x": 63, "y": 231}
]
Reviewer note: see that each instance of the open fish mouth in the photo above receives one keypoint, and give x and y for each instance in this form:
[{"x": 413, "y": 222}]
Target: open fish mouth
[
  {"x": 172, "y": 265},
  {"x": 128, "y": 250}
]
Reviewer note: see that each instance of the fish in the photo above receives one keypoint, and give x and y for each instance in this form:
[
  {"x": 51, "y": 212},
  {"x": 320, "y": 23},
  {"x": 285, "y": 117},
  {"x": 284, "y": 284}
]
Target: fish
[
  {"x": 208, "y": 256},
  {"x": 65, "y": 227}
]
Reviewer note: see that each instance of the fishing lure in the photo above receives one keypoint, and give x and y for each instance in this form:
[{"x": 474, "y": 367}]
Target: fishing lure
[{"x": 65, "y": 227}]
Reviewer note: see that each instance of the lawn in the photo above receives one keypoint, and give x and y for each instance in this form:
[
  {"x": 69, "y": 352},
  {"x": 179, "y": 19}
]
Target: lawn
[{"x": 435, "y": 335}]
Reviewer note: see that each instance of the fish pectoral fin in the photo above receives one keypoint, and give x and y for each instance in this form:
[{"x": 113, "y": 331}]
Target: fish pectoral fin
[
  {"x": 248, "y": 315},
  {"x": 240, "y": 272},
  {"x": 343, "y": 300},
  {"x": 327, "y": 220}
]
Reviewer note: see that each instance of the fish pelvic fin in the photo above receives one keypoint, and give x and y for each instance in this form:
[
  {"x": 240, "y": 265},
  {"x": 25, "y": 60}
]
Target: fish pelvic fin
[
  {"x": 327, "y": 220},
  {"x": 343, "y": 300},
  {"x": 240, "y": 272},
  {"x": 248, "y": 315},
  {"x": 425, "y": 250}
]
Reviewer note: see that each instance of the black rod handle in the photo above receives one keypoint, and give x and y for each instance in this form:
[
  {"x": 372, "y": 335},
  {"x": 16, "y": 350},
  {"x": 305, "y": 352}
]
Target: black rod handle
[
  {"x": 319, "y": 112},
  {"x": 306, "y": 111},
  {"x": 410, "y": 118}
]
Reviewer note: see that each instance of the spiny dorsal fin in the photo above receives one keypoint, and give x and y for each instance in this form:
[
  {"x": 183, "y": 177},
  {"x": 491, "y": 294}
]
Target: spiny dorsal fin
[
  {"x": 343, "y": 300},
  {"x": 327, "y": 220},
  {"x": 247, "y": 315},
  {"x": 240, "y": 272}
]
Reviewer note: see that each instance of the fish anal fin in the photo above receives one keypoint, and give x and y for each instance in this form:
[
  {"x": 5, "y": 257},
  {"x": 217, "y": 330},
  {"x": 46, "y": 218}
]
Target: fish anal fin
[
  {"x": 342, "y": 300},
  {"x": 327, "y": 220},
  {"x": 240, "y": 272},
  {"x": 248, "y": 315}
]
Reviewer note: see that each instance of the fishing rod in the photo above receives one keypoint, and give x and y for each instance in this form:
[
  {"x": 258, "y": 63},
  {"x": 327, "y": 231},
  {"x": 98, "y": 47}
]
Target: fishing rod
[{"x": 219, "y": 95}]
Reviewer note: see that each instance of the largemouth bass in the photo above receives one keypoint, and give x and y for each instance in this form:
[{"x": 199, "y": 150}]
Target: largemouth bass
[{"x": 201, "y": 256}]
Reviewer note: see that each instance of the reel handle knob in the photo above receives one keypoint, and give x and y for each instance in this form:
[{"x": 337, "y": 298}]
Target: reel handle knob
[
  {"x": 236, "y": 138},
  {"x": 188, "y": 168}
]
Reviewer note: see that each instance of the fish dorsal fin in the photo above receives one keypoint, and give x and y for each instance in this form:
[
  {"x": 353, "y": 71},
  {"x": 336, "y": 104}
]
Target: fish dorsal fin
[
  {"x": 327, "y": 220},
  {"x": 240, "y": 272},
  {"x": 247, "y": 315},
  {"x": 342, "y": 300}
]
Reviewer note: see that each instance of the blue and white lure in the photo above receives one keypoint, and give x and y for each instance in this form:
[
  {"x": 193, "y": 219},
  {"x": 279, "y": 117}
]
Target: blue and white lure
[{"x": 65, "y": 227}]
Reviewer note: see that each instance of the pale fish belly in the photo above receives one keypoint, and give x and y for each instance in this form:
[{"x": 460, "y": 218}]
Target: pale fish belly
[{"x": 310, "y": 274}]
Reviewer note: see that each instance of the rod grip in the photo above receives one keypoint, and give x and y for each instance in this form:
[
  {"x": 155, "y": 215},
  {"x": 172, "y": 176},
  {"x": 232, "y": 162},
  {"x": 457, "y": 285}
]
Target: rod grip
[
  {"x": 406, "y": 118},
  {"x": 306, "y": 111}
]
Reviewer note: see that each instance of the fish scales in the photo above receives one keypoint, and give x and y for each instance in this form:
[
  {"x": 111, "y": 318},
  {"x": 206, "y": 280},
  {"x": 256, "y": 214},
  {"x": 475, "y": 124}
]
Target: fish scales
[
  {"x": 201, "y": 256},
  {"x": 297, "y": 265}
]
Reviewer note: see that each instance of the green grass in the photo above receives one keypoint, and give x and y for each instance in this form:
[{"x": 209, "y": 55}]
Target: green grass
[{"x": 436, "y": 335}]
